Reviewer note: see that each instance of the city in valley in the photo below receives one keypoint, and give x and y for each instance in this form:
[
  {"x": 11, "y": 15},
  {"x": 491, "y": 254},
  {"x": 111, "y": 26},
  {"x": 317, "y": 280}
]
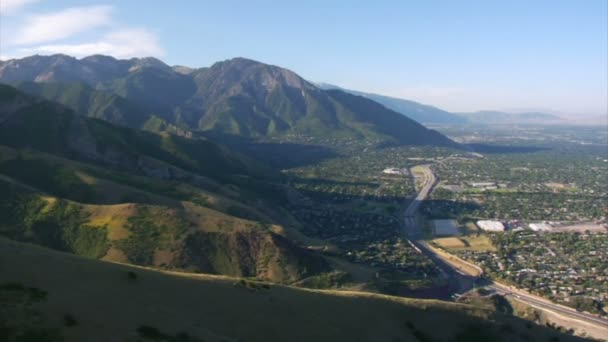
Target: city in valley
[{"x": 231, "y": 171}]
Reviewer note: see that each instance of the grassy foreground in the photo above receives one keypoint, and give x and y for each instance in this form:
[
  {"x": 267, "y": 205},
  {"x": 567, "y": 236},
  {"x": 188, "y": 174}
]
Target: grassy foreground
[{"x": 80, "y": 299}]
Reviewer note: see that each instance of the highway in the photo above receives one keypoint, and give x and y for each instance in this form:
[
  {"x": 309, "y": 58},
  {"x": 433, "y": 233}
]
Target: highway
[
  {"x": 544, "y": 304},
  {"x": 461, "y": 282},
  {"x": 430, "y": 181}
]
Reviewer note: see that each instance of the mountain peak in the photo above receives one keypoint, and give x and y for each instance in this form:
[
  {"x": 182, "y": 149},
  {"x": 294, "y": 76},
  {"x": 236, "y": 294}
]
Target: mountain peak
[
  {"x": 248, "y": 73},
  {"x": 99, "y": 59},
  {"x": 241, "y": 61},
  {"x": 147, "y": 62}
]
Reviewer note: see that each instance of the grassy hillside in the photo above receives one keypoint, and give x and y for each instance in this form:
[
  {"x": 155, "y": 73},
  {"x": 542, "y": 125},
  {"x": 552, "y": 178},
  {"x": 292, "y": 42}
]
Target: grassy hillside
[
  {"x": 87, "y": 187},
  {"x": 184, "y": 236},
  {"x": 48, "y": 127},
  {"x": 81, "y": 299}
]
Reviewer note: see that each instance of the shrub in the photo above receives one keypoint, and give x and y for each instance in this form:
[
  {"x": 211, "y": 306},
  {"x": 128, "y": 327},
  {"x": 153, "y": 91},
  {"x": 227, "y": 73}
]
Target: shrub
[
  {"x": 132, "y": 275},
  {"x": 151, "y": 333},
  {"x": 69, "y": 320}
]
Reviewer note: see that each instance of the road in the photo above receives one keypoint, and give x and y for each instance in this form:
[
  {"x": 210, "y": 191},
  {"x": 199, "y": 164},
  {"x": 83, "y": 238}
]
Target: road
[
  {"x": 461, "y": 282},
  {"x": 544, "y": 304},
  {"x": 429, "y": 181}
]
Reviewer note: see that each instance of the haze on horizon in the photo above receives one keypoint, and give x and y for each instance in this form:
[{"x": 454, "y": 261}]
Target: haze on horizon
[{"x": 466, "y": 56}]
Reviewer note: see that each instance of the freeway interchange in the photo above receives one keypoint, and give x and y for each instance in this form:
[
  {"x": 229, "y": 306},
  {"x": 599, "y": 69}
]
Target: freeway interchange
[{"x": 460, "y": 281}]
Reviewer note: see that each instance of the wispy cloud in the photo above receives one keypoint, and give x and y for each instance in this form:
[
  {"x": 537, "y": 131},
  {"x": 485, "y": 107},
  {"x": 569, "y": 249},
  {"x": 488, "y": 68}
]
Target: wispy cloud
[
  {"x": 122, "y": 44},
  {"x": 50, "y": 27},
  {"x": 13, "y": 6},
  {"x": 76, "y": 31}
]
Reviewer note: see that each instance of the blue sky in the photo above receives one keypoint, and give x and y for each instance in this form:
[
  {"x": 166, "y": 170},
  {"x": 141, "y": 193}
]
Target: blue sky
[{"x": 458, "y": 55}]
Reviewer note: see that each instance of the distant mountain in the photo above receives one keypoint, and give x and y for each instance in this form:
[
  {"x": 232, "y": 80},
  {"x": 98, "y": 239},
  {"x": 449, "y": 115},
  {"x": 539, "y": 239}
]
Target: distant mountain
[
  {"x": 489, "y": 117},
  {"x": 422, "y": 113},
  {"x": 237, "y": 97},
  {"x": 431, "y": 115},
  {"x": 90, "y": 70}
]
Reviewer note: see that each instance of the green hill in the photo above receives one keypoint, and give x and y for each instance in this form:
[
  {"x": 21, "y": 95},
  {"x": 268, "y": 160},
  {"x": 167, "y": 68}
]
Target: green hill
[
  {"x": 88, "y": 187},
  {"x": 179, "y": 235},
  {"x": 52, "y": 296},
  {"x": 48, "y": 127}
]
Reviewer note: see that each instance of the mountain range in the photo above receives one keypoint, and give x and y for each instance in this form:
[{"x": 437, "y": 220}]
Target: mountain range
[
  {"x": 491, "y": 117},
  {"x": 422, "y": 113},
  {"x": 429, "y": 115},
  {"x": 237, "y": 97}
]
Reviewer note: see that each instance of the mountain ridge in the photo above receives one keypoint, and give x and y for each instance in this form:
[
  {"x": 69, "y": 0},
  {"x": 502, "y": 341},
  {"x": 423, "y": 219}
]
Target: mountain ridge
[
  {"x": 425, "y": 114},
  {"x": 238, "y": 96},
  {"x": 500, "y": 117}
]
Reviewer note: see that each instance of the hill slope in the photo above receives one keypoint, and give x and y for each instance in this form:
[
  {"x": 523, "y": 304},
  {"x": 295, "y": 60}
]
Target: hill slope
[
  {"x": 89, "y": 102},
  {"x": 49, "y": 127},
  {"x": 179, "y": 235},
  {"x": 97, "y": 301},
  {"x": 85, "y": 186}
]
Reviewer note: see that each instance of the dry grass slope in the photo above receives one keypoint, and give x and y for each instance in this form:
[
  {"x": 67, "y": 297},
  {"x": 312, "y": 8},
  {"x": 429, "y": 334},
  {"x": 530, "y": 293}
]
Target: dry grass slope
[{"x": 109, "y": 306}]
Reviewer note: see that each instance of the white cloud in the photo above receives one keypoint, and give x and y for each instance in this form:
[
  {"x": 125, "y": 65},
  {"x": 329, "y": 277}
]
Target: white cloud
[
  {"x": 12, "y": 6},
  {"x": 135, "y": 42},
  {"x": 55, "y": 26}
]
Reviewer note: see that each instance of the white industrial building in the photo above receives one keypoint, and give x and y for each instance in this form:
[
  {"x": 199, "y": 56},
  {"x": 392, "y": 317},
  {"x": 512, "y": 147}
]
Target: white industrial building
[
  {"x": 394, "y": 171},
  {"x": 482, "y": 184},
  {"x": 540, "y": 227},
  {"x": 491, "y": 226}
]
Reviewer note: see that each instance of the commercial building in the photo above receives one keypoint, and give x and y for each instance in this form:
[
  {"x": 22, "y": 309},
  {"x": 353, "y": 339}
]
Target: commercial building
[
  {"x": 491, "y": 226},
  {"x": 538, "y": 227}
]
